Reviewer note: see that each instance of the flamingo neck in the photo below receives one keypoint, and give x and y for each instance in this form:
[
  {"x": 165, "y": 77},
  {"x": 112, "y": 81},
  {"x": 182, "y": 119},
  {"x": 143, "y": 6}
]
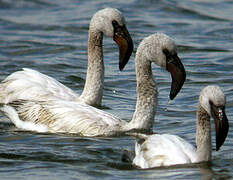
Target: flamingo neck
[
  {"x": 203, "y": 135},
  {"x": 93, "y": 89},
  {"x": 146, "y": 104}
]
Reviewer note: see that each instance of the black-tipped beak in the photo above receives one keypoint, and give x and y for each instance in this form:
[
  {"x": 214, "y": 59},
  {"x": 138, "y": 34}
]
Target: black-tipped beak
[
  {"x": 176, "y": 68},
  {"x": 125, "y": 45},
  {"x": 221, "y": 125}
]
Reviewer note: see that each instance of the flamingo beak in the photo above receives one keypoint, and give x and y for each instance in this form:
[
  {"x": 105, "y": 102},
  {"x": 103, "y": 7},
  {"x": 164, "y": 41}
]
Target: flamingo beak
[
  {"x": 176, "y": 68},
  {"x": 221, "y": 125},
  {"x": 125, "y": 45}
]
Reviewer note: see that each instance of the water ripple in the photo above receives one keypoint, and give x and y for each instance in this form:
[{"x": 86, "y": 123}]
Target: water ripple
[{"x": 51, "y": 36}]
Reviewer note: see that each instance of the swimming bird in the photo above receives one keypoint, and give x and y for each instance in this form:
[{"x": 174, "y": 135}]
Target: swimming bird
[
  {"x": 63, "y": 116},
  {"x": 32, "y": 85},
  {"x": 166, "y": 149}
]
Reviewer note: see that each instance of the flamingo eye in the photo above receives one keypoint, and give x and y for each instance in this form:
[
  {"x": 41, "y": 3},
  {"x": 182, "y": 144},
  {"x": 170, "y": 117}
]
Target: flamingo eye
[
  {"x": 115, "y": 23},
  {"x": 220, "y": 115}
]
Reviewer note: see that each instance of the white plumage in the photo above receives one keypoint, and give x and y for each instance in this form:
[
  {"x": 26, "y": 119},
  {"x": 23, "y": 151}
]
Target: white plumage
[
  {"x": 29, "y": 84},
  {"x": 60, "y": 115},
  {"x": 166, "y": 150},
  {"x": 32, "y": 85},
  {"x": 163, "y": 150}
]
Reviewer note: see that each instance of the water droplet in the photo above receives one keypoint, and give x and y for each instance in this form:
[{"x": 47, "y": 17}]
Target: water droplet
[{"x": 169, "y": 102}]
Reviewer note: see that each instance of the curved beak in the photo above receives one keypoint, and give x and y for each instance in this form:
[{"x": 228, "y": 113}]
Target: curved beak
[
  {"x": 221, "y": 125},
  {"x": 176, "y": 68},
  {"x": 125, "y": 45}
]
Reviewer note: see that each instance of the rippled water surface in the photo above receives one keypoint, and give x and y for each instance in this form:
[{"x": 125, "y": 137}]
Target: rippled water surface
[{"x": 51, "y": 36}]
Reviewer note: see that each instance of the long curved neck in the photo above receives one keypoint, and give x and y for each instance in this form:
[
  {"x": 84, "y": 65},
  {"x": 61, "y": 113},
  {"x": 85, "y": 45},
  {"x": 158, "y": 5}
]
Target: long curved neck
[
  {"x": 146, "y": 104},
  {"x": 93, "y": 89},
  {"x": 203, "y": 135}
]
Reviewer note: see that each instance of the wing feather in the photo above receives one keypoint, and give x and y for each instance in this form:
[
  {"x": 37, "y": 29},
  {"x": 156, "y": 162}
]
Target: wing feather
[
  {"x": 67, "y": 117},
  {"x": 163, "y": 150},
  {"x": 29, "y": 84}
]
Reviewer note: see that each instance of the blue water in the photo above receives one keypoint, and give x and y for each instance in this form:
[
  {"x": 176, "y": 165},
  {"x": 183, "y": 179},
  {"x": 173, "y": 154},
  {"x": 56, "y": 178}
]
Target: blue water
[{"x": 51, "y": 37}]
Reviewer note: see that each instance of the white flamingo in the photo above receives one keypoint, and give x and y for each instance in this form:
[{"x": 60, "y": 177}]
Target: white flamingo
[
  {"x": 166, "y": 149},
  {"x": 32, "y": 85},
  {"x": 62, "y": 116}
]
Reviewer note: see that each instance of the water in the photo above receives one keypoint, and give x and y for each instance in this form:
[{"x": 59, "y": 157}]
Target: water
[{"x": 51, "y": 36}]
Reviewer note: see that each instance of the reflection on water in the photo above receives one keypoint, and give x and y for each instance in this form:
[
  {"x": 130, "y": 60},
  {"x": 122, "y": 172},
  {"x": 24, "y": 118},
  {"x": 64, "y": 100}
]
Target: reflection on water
[{"x": 51, "y": 36}]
